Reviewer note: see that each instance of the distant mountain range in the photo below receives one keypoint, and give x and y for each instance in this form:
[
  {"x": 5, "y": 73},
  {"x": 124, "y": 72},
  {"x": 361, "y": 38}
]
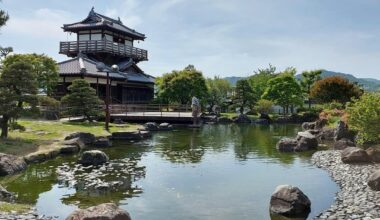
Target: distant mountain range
[{"x": 368, "y": 84}]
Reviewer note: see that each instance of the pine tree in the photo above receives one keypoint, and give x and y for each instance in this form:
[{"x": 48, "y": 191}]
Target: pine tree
[{"x": 82, "y": 100}]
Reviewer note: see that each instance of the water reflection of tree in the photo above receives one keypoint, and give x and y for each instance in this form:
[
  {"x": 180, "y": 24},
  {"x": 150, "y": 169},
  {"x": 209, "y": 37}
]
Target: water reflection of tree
[
  {"x": 186, "y": 146},
  {"x": 257, "y": 141},
  {"x": 38, "y": 178}
]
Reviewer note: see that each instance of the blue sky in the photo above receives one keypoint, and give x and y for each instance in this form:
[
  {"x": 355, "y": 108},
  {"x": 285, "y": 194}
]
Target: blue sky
[{"x": 220, "y": 37}]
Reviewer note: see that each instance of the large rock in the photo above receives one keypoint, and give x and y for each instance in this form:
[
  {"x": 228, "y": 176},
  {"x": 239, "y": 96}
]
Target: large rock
[
  {"x": 374, "y": 181},
  {"x": 165, "y": 127},
  {"x": 354, "y": 155},
  {"x": 224, "y": 120},
  {"x": 262, "y": 121},
  {"x": 306, "y": 141},
  {"x": 286, "y": 145},
  {"x": 5, "y": 195},
  {"x": 343, "y": 144},
  {"x": 69, "y": 149},
  {"x": 10, "y": 164},
  {"x": 102, "y": 142},
  {"x": 374, "y": 154},
  {"x": 151, "y": 126},
  {"x": 242, "y": 118},
  {"x": 320, "y": 123},
  {"x": 342, "y": 131},
  {"x": 327, "y": 133},
  {"x": 308, "y": 126},
  {"x": 106, "y": 211},
  {"x": 75, "y": 141},
  {"x": 93, "y": 157},
  {"x": 85, "y": 137},
  {"x": 289, "y": 201},
  {"x": 130, "y": 135}
]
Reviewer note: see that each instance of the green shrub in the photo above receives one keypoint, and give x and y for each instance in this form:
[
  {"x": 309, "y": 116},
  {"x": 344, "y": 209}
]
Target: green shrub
[
  {"x": 364, "y": 117},
  {"x": 264, "y": 106}
]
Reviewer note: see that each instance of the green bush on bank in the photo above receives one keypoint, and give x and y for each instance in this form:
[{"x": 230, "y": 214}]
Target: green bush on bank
[{"x": 364, "y": 117}]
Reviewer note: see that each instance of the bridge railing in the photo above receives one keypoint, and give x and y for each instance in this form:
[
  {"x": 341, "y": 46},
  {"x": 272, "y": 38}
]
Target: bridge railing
[{"x": 149, "y": 109}]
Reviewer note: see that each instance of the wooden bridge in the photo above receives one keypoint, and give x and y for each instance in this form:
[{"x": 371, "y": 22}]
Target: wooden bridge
[{"x": 151, "y": 113}]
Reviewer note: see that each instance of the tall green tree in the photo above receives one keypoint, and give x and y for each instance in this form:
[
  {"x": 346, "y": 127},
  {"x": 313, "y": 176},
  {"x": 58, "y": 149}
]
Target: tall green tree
[
  {"x": 18, "y": 87},
  {"x": 82, "y": 100},
  {"x": 259, "y": 80},
  {"x": 218, "y": 91},
  {"x": 244, "y": 95},
  {"x": 181, "y": 86},
  {"x": 284, "y": 91},
  {"x": 44, "y": 67},
  {"x": 4, "y": 51},
  {"x": 335, "y": 88},
  {"x": 308, "y": 78},
  {"x": 3, "y": 17}
]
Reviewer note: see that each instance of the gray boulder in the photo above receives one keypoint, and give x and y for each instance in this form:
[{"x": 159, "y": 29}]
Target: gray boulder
[
  {"x": 327, "y": 133},
  {"x": 127, "y": 135},
  {"x": 342, "y": 131},
  {"x": 151, "y": 126},
  {"x": 106, "y": 211},
  {"x": 343, "y": 144},
  {"x": 308, "y": 125},
  {"x": 75, "y": 141},
  {"x": 69, "y": 149},
  {"x": 102, "y": 142},
  {"x": 306, "y": 141},
  {"x": 10, "y": 164},
  {"x": 93, "y": 157},
  {"x": 224, "y": 120},
  {"x": 5, "y": 195},
  {"x": 374, "y": 154},
  {"x": 262, "y": 121},
  {"x": 289, "y": 201},
  {"x": 374, "y": 181},
  {"x": 165, "y": 126},
  {"x": 241, "y": 119},
  {"x": 286, "y": 145},
  {"x": 85, "y": 137},
  {"x": 354, "y": 155}
]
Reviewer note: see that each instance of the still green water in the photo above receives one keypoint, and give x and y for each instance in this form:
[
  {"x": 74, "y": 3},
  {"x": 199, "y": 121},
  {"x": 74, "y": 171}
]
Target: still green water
[{"x": 215, "y": 172}]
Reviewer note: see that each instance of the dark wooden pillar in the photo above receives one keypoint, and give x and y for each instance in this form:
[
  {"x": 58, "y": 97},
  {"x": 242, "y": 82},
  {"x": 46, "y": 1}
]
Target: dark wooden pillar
[{"x": 97, "y": 86}]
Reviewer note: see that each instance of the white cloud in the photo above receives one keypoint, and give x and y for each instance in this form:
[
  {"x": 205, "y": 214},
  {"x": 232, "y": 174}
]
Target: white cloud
[
  {"x": 43, "y": 22},
  {"x": 127, "y": 13}
]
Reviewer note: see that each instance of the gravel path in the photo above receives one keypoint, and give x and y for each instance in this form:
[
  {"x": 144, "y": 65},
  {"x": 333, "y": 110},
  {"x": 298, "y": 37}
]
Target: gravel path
[
  {"x": 31, "y": 215},
  {"x": 355, "y": 200}
]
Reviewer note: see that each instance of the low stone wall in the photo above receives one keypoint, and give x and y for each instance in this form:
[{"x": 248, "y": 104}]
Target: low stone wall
[{"x": 355, "y": 200}]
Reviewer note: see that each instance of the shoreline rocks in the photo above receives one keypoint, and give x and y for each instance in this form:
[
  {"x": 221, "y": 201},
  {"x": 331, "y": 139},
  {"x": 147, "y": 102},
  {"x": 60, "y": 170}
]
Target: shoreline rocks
[
  {"x": 355, "y": 200},
  {"x": 354, "y": 155},
  {"x": 305, "y": 141},
  {"x": 10, "y": 164},
  {"x": 106, "y": 211}
]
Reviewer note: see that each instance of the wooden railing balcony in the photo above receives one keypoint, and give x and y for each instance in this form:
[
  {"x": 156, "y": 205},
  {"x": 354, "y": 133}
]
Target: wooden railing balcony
[{"x": 72, "y": 48}]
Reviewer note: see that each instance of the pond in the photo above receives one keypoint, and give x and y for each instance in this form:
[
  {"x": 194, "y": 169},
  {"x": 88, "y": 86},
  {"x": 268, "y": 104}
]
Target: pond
[{"x": 215, "y": 172}]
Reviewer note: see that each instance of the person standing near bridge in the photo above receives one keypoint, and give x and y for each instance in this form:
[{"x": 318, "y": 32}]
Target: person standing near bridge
[{"x": 196, "y": 110}]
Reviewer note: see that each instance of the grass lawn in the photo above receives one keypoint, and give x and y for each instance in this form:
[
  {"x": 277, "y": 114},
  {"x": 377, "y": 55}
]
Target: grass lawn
[{"x": 40, "y": 135}]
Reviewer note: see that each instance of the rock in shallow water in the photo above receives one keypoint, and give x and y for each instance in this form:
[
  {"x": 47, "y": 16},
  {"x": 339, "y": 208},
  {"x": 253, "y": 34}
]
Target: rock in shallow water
[
  {"x": 286, "y": 144},
  {"x": 93, "y": 157},
  {"x": 306, "y": 141},
  {"x": 106, "y": 211},
  {"x": 289, "y": 201}
]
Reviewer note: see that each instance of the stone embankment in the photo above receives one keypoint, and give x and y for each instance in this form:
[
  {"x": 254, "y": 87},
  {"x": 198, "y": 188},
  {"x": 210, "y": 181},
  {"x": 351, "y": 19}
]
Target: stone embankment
[{"x": 356, "y": 200}]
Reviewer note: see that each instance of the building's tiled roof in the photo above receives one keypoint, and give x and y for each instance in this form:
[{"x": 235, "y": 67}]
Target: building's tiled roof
[
  {"x": 83, "y": 65},
  {"x": 95, "y": 20}
]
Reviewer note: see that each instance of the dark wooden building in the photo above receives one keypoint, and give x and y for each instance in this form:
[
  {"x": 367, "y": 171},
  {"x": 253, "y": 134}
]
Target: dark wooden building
[{"x": 103, "y": 39}]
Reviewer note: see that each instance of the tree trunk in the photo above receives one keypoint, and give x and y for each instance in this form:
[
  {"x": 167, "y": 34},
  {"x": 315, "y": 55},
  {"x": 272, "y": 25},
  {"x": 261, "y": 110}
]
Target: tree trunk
[
  {"x": 88, "y": 118},
  {"x": 4, "y": 126}
]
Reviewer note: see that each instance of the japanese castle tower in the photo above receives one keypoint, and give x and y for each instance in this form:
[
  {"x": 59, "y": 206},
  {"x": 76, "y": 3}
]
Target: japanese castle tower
[{"x": 103, "y": 39}]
